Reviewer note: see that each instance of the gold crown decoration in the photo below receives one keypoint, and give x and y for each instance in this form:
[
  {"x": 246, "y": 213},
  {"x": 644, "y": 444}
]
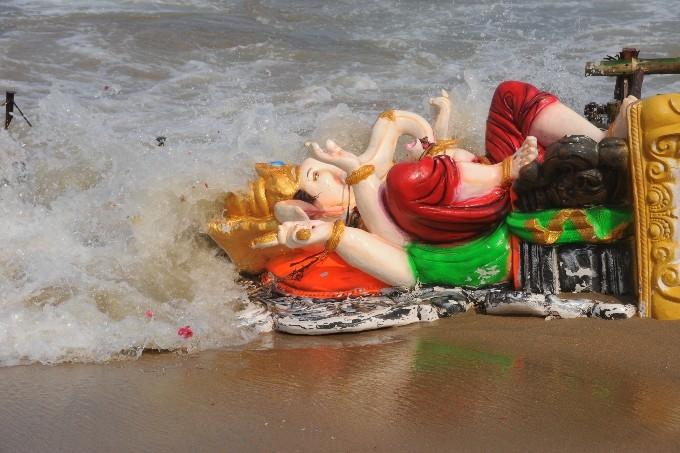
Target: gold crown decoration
[{"x": 249, "y": 214}]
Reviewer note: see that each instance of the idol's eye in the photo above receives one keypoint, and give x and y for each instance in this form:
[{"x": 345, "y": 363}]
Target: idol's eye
[{"x": 315, "y": 176}]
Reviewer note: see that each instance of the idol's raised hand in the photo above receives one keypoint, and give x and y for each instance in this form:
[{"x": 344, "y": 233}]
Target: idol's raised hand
[
  {"x": 335, "y": 155},
  {"x": 441, "y": 111}
]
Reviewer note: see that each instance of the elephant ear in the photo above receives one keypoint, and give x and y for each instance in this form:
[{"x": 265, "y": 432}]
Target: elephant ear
[{"x": 290, "y": 211}]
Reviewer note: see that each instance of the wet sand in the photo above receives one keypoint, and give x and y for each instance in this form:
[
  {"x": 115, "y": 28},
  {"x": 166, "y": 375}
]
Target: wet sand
[{"x": 472, "y": 383}]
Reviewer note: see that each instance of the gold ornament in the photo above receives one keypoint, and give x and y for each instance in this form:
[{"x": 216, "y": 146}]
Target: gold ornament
[
  {"x": 303, "y": 235},
  {"x": 388, "y": 115},
  {"x": 549, "y": 234},
  {"x": 336, "y": 235},
  {"x": 269, "y": 238},
  {"x": 359, "y": 174},
  {"x": 507, "y": 178},
  {"x": 441, "y": 147}
]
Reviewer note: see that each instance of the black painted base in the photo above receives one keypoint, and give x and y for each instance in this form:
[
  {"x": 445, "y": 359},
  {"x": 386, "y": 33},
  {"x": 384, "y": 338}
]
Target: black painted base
[{"x": 606, "y": 269}]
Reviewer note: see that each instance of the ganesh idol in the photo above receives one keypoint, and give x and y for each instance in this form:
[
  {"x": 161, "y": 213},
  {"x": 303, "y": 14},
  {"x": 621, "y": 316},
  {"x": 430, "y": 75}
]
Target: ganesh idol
[{"x": 360, "y": 223}]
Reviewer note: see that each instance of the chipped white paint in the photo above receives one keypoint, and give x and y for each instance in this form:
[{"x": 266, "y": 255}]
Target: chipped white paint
[
  {"x": 580, "y": 288},
  {"x": 487, "y": 271},
  {"x": 554, "y": 307},
  {"x": 580, "y": 272},
  {"x": 305, "y": 316},
  {"x": 375, "y": 319}
]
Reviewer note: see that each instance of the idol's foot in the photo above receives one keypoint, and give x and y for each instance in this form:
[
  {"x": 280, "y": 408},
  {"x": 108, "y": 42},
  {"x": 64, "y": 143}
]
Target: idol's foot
[
  {"x": 526, "y": 154},
  {"x": 619, "y": 127}
]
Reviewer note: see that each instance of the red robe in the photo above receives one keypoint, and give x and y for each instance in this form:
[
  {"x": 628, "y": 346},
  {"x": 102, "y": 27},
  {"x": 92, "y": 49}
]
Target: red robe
[
  {"x": 421, "y": 196},
  {"x": 514, "y": 107}
]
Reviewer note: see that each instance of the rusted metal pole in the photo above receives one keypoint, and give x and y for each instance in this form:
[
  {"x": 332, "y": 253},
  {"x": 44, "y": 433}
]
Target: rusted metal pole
[
  {"x": 9, "y": 107},
  {"x": 629, "y": 71},
  {"x": 636, "y": 83},
  {"x": 623, "y": 82}
]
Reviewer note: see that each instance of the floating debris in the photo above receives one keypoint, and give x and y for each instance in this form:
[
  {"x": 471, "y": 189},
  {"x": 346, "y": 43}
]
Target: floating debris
[{"x": 185, "y": 332}]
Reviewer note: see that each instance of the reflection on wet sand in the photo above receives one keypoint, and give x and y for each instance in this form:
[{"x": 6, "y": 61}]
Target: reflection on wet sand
[{"x": 470, "y": 383}]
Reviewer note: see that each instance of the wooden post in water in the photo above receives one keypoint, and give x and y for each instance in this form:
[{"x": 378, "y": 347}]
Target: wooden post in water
[{"x": 9, "y": 107}]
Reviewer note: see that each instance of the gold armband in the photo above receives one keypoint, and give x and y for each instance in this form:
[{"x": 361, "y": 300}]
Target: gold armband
[
  {"x": 336, "y": 235},
  {"x": 507, "y": 172},
  {"x": 359, "y": 174},
  {"x": 440, "y": 147}
]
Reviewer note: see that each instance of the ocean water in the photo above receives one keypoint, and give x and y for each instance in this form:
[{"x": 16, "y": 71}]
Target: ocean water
[{"x": 102, "y": 244}]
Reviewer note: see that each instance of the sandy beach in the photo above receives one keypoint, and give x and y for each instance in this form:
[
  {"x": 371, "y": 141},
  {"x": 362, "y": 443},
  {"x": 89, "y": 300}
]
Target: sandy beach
[{"x": 471, "y": 383}]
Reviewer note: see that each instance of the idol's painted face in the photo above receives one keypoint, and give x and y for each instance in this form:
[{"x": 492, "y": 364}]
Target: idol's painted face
[{"x": 325, "y": 188}]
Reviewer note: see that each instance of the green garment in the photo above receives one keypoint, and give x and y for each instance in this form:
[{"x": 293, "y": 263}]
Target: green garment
[
  {"x": 569, "y": 226},
  {"x": 481, "y": 262}
]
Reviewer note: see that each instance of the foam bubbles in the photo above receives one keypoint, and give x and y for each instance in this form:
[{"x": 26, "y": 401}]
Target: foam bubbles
[{"x": 98, "y": 229}]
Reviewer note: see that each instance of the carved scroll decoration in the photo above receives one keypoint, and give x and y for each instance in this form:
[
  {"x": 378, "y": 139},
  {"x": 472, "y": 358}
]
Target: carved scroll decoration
[{"x": 654, "y": 129}]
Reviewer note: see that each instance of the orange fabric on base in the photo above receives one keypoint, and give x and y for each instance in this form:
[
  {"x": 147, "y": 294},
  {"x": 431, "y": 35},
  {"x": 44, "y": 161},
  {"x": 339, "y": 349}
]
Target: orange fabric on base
[
  {"x": 329, "y": 278},
  {"x": 515, "y": 251}
]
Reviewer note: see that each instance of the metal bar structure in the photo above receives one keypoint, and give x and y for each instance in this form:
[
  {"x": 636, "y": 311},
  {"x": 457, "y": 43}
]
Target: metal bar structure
[
  {"x": 623, "y": 82},
  {"x": 623, "y": 67},
  {"x": 630, "y": 72},
  {"x": 9, "y": 107}
]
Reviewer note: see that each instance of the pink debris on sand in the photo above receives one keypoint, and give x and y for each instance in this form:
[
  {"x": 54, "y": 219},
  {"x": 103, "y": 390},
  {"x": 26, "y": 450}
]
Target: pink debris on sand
[
  {"x": 148, "y": 314},
  {"x": 185, "y": 332}
]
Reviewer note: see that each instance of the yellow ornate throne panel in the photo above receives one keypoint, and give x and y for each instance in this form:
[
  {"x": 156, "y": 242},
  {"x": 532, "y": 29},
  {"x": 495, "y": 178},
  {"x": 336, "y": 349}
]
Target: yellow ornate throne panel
[{"x": 654, "y": 129}]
